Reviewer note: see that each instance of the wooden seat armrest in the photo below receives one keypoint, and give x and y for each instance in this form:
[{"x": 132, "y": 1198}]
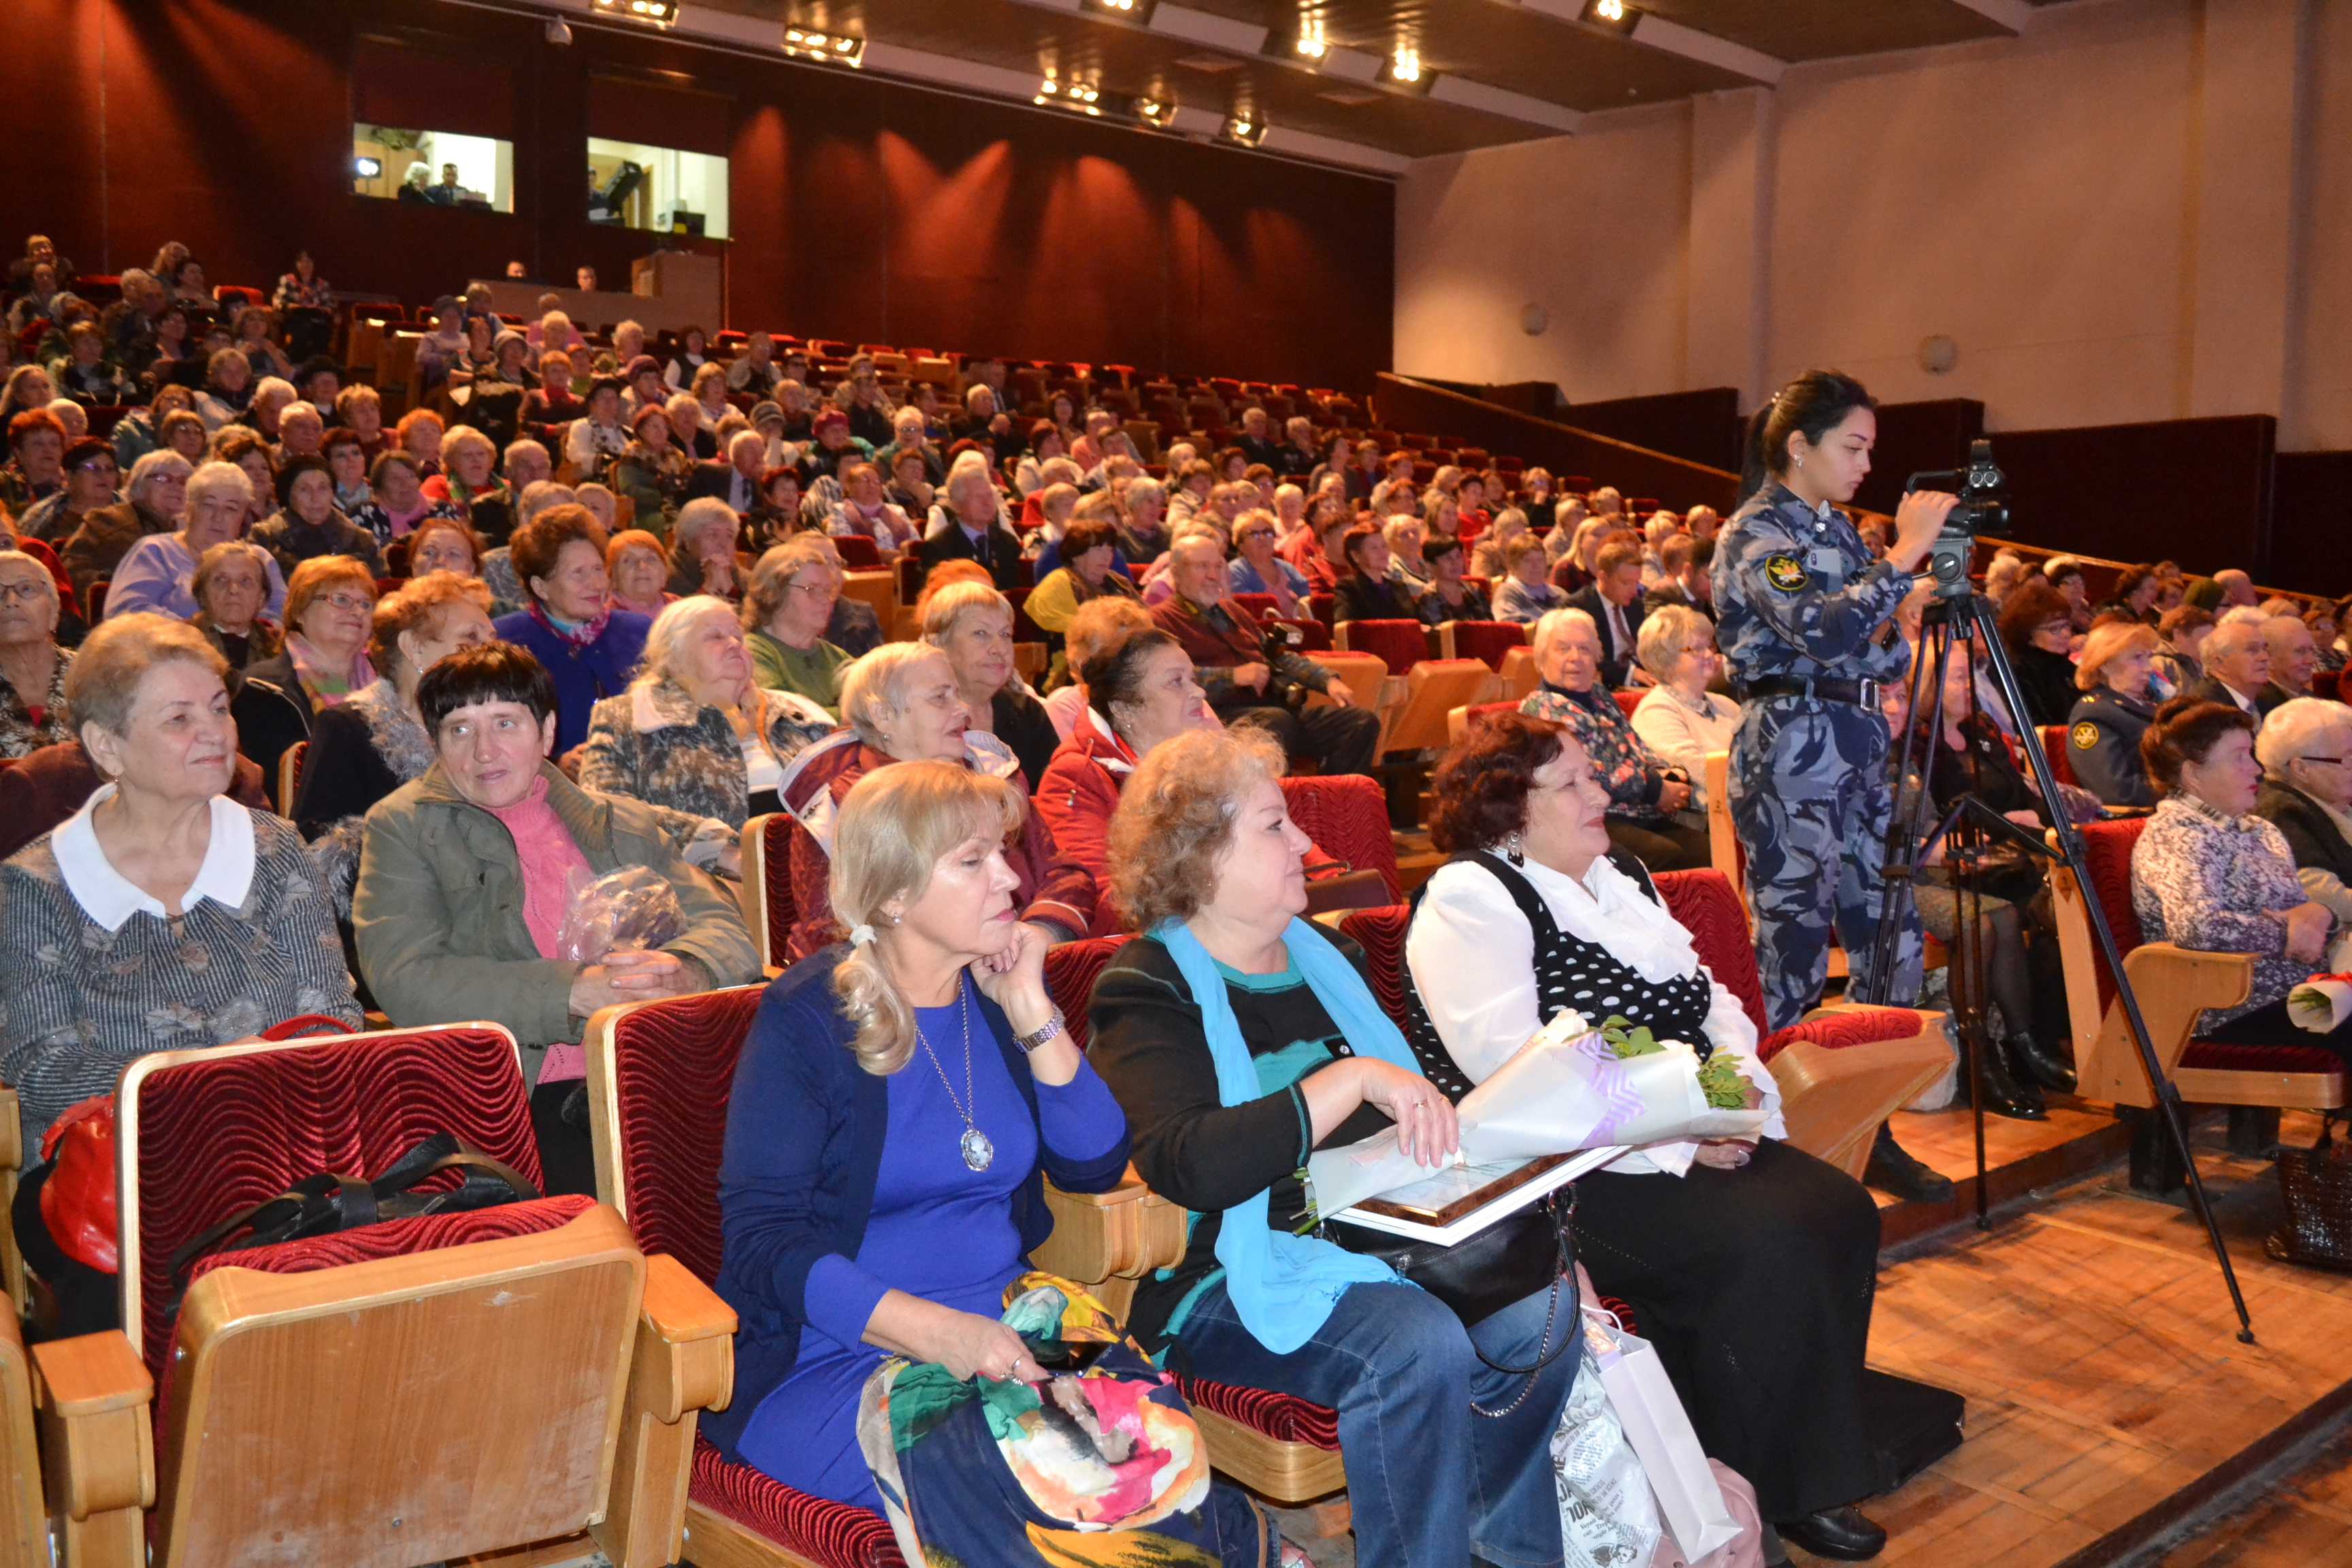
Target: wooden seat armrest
[
  {"x": 1130, "y": 1190},
  {"x": 2188, "y": 976},
  {"x": 1123, "y": 1233},
  {"x": 683, "y": 1362},
  {"x": 11, "y": 1134},
  {"x": 2174, "y": 985},
  {"x": 98, "y": 1448},
  {"x": 687, "y": 1327}
]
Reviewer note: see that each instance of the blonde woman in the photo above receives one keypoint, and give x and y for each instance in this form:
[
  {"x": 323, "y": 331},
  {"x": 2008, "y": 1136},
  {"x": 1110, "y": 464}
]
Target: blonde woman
[
  {"x": 971, "y": 622},
  {"x": 895, "y": 1110},
  {"x": 694, "y": 731},
  {"x": 1680, "y": 719},
  {"x": 2115, "y": 710}
]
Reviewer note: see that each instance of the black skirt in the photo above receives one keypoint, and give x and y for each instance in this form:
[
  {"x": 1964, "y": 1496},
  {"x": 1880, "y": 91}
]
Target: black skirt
[{"x": 1755, "y": 1285}]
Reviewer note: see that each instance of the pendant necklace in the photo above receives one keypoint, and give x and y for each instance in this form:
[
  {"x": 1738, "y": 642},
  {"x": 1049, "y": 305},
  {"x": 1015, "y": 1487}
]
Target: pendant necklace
[{"x": 978, "y": 1151}]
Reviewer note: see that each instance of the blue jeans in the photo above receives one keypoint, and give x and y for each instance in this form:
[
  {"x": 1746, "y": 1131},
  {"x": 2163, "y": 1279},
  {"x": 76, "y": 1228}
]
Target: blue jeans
[{"x": 1428, "y": 1480}]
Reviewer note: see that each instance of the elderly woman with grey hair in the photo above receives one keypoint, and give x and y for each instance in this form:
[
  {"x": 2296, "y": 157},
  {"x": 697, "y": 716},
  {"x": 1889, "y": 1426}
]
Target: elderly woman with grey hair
[
  {"x": 154, "y": 500},
  {"x": 32, "y": 666},
  {"x": 231, "y": 585},
  {"x": 702, "y": 550},
  {"x": 2305, "y": 750},
  {"x": 1679, "y": 717},
  {"x": 159, "y": 571},
  {"x": 695, "y": 731},
  {"x": 1647, "y": 795}
]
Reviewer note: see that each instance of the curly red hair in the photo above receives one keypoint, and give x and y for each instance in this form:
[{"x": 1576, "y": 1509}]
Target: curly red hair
[{"x": 1479, "y": 796}]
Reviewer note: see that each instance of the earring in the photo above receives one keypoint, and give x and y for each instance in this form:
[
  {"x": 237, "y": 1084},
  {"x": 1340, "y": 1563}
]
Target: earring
[
  {"x": 1801, "y": 462},
  {"x": 1514, "y": 851}
]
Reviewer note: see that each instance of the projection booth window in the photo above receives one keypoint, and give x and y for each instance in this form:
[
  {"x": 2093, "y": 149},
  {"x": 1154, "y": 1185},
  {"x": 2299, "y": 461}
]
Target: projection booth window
[
  {"x": 632, "y": 185},
  {"x": 442, "y": 167}
]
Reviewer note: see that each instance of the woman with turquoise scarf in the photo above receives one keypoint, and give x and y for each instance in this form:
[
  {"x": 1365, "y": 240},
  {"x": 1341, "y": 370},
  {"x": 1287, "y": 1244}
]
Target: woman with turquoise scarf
[{"x": 1238, "y": 1038}]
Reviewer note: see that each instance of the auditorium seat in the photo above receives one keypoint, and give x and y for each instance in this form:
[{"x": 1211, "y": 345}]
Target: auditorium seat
[
  {"x": 2053, "y": 741},
  {"x": 1400, "y": 645},
  {"x": 2174, "y": 985},
  {"x": 305, "y": 1395},
  {"x": 1458, "y": 722},
  {"x": 1487, "y": 641},
  {"x": 765, "y": 894},
  {"x": 659, "y": 1077},
  {"x": 1434, "y": 689},
  {"x": 24, "y": 1522},
  {"x": 1628, "y": 699},
  {"x": 1347, "y": 815}
]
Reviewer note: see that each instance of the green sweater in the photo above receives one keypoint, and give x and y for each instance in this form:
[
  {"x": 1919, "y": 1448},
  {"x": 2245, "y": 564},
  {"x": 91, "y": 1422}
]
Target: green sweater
[{"x": 814, "y": 672}]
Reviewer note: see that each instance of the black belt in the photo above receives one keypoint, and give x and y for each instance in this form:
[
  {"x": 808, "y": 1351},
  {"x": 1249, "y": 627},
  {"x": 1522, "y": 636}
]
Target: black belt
[{"x": 1863, "y": 693}]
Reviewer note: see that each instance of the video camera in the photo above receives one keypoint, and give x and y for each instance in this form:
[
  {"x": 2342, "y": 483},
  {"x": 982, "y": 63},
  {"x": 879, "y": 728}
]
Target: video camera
[
  {"x": 1278, "y": 638},
  {"x": 1983, "y": 509}
]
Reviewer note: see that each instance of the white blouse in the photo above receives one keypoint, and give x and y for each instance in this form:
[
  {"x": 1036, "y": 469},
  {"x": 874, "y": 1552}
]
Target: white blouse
[
  {"x": 1471, "y": 957},
  {"x": 1677, "y": 730}
]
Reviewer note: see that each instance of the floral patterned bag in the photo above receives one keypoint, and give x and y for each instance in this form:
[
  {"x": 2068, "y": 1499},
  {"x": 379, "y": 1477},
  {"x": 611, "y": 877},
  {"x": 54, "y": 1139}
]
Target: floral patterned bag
[{"x": 1099, "y": 1466}]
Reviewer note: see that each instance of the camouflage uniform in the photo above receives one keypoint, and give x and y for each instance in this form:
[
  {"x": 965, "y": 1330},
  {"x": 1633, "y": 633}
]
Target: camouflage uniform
[{"x": 1797, "y": 595}]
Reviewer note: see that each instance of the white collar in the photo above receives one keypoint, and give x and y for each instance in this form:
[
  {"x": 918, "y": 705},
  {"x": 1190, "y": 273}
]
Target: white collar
[{"x": 110, "y": 898}]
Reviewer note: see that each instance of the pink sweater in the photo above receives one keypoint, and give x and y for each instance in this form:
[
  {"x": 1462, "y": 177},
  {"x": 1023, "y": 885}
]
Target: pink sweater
[{"x": 550, "y": 856}]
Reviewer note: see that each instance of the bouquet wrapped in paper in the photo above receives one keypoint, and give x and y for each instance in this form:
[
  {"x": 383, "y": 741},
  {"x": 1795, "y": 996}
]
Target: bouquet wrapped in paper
[
  {"x": 2321, "y": 1002},
  {"x": 1571, "y": 1087}
]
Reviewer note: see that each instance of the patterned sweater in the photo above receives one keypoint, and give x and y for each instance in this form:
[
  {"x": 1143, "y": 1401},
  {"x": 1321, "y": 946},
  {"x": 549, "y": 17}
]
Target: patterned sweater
[
  {"x": 78, "y": 1002},
  {"x": 1622, "y": 760},
  {"x": 2219, "y": 884}
]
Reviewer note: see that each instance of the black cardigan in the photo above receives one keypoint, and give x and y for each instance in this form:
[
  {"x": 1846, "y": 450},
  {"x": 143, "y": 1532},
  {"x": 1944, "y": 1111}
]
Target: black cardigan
[
  {"x": 342, "y": 772},
  {"x": 1022, "y": 723},
  {"x": 2315, "y": 841}
]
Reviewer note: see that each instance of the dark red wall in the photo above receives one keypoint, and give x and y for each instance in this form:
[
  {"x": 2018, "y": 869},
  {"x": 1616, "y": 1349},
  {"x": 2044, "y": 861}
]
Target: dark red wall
[{"x": 860, "y": 208}]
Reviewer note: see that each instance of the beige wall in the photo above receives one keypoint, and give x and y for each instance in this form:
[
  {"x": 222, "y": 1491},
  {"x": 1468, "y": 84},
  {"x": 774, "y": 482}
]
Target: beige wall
[{"x": 2141, "y": 209}]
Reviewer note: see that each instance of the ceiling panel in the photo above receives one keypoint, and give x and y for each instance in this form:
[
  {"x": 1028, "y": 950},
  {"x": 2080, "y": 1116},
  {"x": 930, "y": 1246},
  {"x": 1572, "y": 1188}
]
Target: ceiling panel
[
  {"x": 1825, "y": 29},
  {"x": 1495, "y": 43}
]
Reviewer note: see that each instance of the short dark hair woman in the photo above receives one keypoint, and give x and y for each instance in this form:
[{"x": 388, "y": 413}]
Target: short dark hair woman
[
  {"x": 465, "y": 880},
  {"x": 1742, "y": 1255},
  {"x": 1368, "y": 593}
]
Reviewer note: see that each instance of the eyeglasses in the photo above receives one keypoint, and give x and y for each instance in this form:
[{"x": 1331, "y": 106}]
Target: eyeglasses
[
  {"x": 16, "y": 593},
  {"x": 2331, "y": 762},
  {"x": 1257, "y": 533},
  {"x": 346, "y": 602},
  {"x": 95, "y": 465}
]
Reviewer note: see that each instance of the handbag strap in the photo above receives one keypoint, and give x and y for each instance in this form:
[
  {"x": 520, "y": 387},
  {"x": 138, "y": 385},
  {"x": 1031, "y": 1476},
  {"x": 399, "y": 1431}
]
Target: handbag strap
[{"x": 311, "y": 1206}]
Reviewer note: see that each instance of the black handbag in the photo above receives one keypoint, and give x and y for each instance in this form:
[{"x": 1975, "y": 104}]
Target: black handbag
[
  {"x": 2316, "y": 1184},
  {"x": 1517, "y": 1256},
  {"x": 331, "y": 1202}
]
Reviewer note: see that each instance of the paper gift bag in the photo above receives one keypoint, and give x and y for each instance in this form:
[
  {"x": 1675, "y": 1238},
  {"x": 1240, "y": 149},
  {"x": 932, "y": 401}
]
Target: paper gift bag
[{"x": 1651, "y": 1413}]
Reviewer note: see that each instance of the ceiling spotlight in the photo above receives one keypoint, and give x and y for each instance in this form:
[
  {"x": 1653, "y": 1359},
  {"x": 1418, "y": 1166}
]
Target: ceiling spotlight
[
  {"x": 1125, "y": 10},
  {"x": 807, "y": 44},
  {"x": 1049, "y": 88},
  {"x": 1309, "y": 42},
  {"x": 1154, "y": 110},
  {"x": 1244, "y": 129},
  {"x": 1404, "y": 70},
  {"x": 655, "y": 13},
  {"x": 1616, "y": 16}
]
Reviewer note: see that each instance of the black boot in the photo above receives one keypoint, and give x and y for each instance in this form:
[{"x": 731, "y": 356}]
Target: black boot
[
  {"x": 2003, "y": 1094},
  {"x": 1892, "y": 1170},
  {"x": 1839, "y": 1532},
  {"x": 2038, "y": 1063}
]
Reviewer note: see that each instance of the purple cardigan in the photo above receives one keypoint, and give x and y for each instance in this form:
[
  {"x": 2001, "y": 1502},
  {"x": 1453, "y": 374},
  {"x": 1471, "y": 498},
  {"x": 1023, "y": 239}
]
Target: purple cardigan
[{"x": 583, "y": 676}]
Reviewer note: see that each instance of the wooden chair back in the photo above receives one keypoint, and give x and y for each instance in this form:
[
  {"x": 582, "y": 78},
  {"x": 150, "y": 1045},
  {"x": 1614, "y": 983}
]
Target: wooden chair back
[
  {"x": 1723, "y": 851},
  {"x": 290, "y": 775},
  {"x": 1487, "y": 641},
  {"x": 405, "y": 1409},
  {"x": 1400, "y": 645},
  {"x": 1434, "y": 689},
  {"x": 1519, "y": 673}
]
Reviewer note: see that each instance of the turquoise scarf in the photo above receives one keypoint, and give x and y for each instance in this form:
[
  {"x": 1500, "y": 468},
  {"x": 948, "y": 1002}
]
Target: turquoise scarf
[{"x": 1282, "y": 1286}]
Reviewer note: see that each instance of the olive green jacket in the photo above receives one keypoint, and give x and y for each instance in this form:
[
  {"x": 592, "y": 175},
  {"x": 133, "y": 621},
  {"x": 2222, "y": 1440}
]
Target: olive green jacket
[{"x": 438, "y": 908}]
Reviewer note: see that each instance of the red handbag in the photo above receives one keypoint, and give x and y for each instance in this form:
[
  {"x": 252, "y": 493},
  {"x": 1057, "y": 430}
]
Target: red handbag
[{"x": 78, "y": 1201}]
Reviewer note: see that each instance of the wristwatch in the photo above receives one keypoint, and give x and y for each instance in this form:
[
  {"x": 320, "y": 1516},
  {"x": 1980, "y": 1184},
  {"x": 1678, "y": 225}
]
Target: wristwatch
[{"x": 1051, "y": 1029}]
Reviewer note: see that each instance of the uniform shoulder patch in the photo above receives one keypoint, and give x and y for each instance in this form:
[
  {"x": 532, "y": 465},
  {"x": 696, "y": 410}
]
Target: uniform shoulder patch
[
  {"x": 1786, "y": 572},
  {"x": 2084, "y": 735}
]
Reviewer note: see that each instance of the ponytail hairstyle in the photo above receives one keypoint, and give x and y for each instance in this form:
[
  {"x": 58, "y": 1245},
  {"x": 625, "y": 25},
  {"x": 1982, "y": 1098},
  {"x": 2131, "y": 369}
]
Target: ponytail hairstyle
[
  {"x": 1815, "y": 403},
  {"x": 895, "y": 825}
]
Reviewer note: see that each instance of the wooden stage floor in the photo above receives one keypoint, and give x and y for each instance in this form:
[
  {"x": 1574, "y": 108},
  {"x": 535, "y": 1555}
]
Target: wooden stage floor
[{"x": 2092, "y": 1338}]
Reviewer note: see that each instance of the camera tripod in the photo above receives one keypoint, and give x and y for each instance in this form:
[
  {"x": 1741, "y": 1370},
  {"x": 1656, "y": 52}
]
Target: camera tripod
[{"x": 1957, "y": 616}]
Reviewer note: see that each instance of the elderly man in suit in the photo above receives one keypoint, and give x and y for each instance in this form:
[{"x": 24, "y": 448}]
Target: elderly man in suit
[{"x": 1614, "y": 600}]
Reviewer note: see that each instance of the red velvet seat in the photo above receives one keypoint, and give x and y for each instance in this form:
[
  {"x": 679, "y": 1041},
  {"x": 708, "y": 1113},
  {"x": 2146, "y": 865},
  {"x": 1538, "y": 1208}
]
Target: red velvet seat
[
  {"x": 1629, "y": 699},
  {"x": 2062, "y": 765},
  {"x": 1347, "y": 815},
  {"x": 256, "y": 1118},
  {"x": 659, "y": 1097},
  {"x": 859, "y": 552},
  {"x": 1400, "y": 645},
  {"x": 1486, "y": 641},
  {"x": 1071, "y": 971}
]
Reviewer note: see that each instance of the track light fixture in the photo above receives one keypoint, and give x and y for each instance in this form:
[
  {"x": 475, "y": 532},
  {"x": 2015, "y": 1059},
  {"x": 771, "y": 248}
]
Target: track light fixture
[
  {"x": 807, "y": 44},
  {"x": 1616, "y": 16},
  {"x": 1246, "y": 128},
  {"x": 655, "y": 13},
  {"x": 1404, "y": 70},
  {"x": 1125, "y": 10}
]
